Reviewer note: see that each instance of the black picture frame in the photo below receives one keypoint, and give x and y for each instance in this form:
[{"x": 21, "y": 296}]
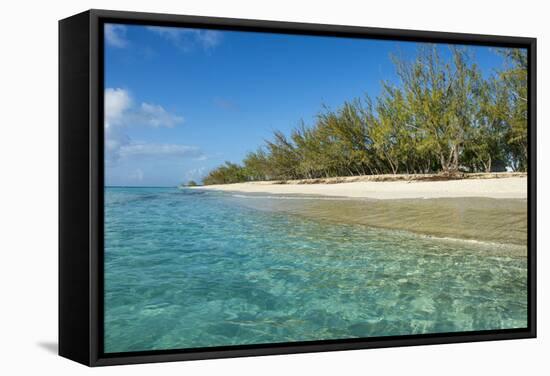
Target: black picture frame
[{"x": 81, "y": 186}]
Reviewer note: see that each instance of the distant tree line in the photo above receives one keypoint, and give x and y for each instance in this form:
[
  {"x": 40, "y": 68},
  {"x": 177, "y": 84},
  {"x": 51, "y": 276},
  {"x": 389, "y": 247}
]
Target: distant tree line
[{"x": 442, "y": 117}]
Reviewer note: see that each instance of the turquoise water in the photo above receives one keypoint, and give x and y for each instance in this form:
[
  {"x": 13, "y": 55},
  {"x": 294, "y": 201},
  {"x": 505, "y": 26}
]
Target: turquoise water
[{"x": 186, "y": 268}]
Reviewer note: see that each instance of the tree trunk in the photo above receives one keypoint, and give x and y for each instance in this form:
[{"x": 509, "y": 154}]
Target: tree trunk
[
  {"x": 488, "y": 165},
  {"x": 443, "y": 162},
  {"x": 454, "y": 165}
]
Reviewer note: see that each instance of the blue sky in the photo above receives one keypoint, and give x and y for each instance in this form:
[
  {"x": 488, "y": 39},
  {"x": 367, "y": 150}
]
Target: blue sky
[{"x": 179, "y": 102}]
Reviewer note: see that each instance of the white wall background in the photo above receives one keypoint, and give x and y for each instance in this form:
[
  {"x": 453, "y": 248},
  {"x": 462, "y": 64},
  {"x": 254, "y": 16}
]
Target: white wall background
[{"x": 28, "y": 189}]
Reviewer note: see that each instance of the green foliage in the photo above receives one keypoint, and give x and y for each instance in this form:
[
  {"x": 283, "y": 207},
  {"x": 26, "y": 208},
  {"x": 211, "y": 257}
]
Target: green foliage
[
  {"x": 226, "y": 174},
  {"x": 192, "y": 183},
  {"x": 514, "y": 109},
  {"x": 442, "y": 117}
]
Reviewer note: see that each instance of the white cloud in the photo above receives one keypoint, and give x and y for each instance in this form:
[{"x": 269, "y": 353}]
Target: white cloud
[
  {"x": 208, "y": 38},
  {"x": 159, "y": 150},
  {"x": 115, "y": 140},
  {"x": 187, "y": 39},
  {"x": 115, "y": 35},
  {"x": 116, "y": 104},
  {"x": 121, "y": 114},
  {"x": 156, "y": 116},
  {"x": 120, "y": 111}
]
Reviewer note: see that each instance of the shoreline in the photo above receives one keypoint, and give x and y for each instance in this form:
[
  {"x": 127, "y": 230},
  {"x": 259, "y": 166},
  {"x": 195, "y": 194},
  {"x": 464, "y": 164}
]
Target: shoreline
[{"x": 388, "y": 187}]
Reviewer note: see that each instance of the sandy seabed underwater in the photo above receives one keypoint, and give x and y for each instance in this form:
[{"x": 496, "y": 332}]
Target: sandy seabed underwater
[{"x": 187, "y": 268}]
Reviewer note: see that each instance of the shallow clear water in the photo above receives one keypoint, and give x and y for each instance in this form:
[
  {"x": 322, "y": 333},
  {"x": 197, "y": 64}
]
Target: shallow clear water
[{"x": 190, "y": 269}]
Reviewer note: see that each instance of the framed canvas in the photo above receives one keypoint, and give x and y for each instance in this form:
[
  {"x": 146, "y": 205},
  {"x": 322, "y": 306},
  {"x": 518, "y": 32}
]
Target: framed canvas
[{"x": 233, "y": 187}]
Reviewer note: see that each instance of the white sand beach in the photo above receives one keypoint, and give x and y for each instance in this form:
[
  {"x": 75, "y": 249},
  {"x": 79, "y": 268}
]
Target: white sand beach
[{"x": 501, "y": 187}]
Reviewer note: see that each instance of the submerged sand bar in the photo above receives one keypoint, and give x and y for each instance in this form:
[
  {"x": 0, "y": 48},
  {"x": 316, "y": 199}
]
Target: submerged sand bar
[{"x": 494, "y": 186}]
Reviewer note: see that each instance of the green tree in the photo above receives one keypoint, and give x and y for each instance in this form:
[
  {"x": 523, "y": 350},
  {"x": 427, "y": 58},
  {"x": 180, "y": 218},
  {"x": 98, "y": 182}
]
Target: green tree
[
  {"x": 514, "y": 80},
  {"x": 442, "y": 116}
]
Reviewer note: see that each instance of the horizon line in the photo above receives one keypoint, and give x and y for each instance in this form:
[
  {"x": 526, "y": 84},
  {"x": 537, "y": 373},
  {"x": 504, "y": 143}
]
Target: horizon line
[{"x": 140, "y": 186}]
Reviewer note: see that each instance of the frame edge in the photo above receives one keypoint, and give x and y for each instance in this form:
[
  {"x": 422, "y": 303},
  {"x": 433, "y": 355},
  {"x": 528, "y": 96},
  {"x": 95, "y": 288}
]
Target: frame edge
[
  {"x": 74, "y": 250},
  {"x": 93, "y": 17}
]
